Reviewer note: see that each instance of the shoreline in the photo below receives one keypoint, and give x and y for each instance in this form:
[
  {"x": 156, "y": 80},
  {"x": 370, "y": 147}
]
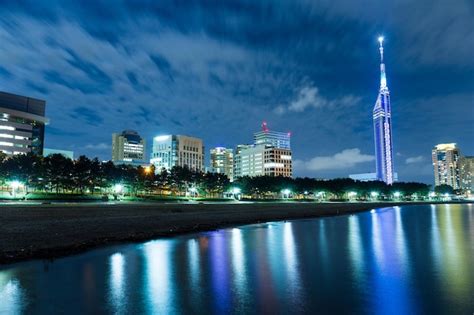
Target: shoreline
[{"x": 49, "y": 231}]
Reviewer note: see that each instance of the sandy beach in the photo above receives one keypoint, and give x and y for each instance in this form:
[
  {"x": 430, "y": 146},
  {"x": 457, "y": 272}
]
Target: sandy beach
[{"x": 46, "y": 231}]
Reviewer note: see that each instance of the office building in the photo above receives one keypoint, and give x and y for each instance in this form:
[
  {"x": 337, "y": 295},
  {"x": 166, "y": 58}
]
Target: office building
[
  {"x": 260, "y": 160},
  {"x": 22, "y": 122},
  {"x": 128, "y": 147},
  {"x": 65, "y": 153},
  {"x": 177, "y": 150},
  {"x": 222, "y": 161},
  {"x": 446, "y": 165},
  {"x": 382, "y": 118},
  {"x": 466, "y": 168},
  {"x": 272, "y": 138}
]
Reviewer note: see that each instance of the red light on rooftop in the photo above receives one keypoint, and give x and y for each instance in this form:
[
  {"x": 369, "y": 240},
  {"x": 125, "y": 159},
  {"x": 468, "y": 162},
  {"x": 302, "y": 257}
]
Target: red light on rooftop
[{"x": 264, "y": 126}]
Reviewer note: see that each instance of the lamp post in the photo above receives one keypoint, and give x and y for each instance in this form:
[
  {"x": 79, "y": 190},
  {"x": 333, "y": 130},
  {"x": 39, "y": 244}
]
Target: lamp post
[
  {"x": 236, "y": 193},
  {"x": 352, "y": 195},
  {"x": 374, "y": 195},
  {"x": 193, "y": 191},
  {"x": 397, "y": 195},
  {"x": 15, "y": 185},
  {"x": 286, "y": 193}
]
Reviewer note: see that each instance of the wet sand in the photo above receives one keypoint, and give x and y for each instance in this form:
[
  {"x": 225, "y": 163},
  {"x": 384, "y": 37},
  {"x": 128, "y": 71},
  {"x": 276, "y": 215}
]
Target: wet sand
[{"x": 47, "y": 231}]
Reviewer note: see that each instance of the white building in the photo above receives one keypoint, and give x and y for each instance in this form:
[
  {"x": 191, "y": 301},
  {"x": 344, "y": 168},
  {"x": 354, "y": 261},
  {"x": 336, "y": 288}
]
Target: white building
[
  {"x": 259, "y": 160},
  {"x": 222, "y": 161},
  {"x": 177, "y": 150},
  {"x": 446, "y": 165},
  {"x": 128, "y": 148}
]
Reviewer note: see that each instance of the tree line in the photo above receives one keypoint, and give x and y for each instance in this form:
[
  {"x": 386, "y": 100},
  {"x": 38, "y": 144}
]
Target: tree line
[{"x": 59, "y": 174}]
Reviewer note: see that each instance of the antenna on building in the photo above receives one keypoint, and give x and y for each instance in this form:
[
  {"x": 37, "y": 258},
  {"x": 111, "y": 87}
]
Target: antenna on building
[{"x": 264, "y": 126}]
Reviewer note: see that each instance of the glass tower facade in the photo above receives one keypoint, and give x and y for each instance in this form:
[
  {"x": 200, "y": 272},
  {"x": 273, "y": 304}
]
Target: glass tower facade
[{"x": 382, "y": 116}]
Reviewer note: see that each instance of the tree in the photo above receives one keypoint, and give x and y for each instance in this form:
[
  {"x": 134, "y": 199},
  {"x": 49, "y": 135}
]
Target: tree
[{"x": 444, "y": 189}]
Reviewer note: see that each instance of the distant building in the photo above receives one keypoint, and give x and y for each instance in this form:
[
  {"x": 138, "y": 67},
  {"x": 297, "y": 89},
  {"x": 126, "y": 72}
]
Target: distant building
[
  {"x": 364, "y": 177},
  {"x": 222, "y": 161},
  {"x": 128, "y": 147},
  {"x": 446, "y": 165},
  {"x": 177, "y": 150},
  {"x": 369, "y": 177},
  {"x": 22, "y": 121},
  {"x": 275, "y": 139},
  {"x": 270, "y": 155},
  {"x": 466, "y": 168},
  {"x": 65, "y": 153},
  {"x": 259, "y": 160}
]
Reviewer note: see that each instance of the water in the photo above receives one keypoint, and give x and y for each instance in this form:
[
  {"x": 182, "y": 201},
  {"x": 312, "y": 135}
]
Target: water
[{"x": 406, "y": 260}]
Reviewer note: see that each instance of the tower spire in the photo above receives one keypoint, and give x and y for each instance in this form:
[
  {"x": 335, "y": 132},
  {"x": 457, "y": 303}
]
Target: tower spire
[{"x": 383, "y": 78}]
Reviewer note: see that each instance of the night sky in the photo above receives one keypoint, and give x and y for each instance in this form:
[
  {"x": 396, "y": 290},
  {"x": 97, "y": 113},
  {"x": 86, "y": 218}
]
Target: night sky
[{"x": 217, "y": 69}]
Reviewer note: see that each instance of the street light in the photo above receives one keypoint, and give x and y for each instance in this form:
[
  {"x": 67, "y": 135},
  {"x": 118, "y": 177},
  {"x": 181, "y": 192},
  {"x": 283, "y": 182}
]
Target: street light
[
  {"x": 193, "y": 191},
  {"x": 374, "y": 195},
  {"x": 397, "y": 194},
  {"x": 351, "y": 194},
  {"x": 15, "y": 185},
  {"x": 286, "y": 193},
  {"x": 118, "y": 188},
  {"x": 147, "y": 170},
  {"x": 236, "y": 192}
]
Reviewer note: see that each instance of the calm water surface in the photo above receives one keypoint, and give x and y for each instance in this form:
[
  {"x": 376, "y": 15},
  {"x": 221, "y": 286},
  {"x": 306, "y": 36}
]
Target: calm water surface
[{"x": 401, "y": 260}]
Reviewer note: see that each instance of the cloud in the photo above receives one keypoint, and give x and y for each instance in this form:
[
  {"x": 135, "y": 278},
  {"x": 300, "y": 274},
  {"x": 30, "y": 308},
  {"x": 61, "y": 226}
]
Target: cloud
[
  {"x": 309, "y": 97},
  {"x": 414, "y": 159},
  {"x": 345, "y": 159}
]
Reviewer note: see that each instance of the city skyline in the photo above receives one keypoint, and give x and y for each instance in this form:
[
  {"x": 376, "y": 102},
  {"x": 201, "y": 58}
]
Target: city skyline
[{"x": 317, "y": 84}]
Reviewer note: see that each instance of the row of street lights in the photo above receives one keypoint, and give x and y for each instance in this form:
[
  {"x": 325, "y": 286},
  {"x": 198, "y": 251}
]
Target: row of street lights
[{"x": 236, "y": 193}]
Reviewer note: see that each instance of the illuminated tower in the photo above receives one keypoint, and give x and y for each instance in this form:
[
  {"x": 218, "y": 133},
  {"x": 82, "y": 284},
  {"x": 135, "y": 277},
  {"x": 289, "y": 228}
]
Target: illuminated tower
[{"x": 382, "y": 116}]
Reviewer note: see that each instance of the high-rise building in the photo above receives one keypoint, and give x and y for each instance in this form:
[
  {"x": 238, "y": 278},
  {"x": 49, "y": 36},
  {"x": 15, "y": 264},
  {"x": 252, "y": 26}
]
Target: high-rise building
[
  {"x": 222, "y": 161},
  {"x": 22, "y": 121},
  {"x": 261, "y": 159},
  {"x": 466, "y": 168},
  {"x": 177, "y": 150},
  {"x": 128, "y": 147},
  {"x": 446, "y": 165},
  {"x": 275, "y": 139},
  {"x": 270, "y": 155},
  {"x": 382, "y": 116}
]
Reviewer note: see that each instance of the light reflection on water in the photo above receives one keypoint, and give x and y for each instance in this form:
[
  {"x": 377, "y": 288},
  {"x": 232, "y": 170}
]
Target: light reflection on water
[{"x": 392, "y": 261}]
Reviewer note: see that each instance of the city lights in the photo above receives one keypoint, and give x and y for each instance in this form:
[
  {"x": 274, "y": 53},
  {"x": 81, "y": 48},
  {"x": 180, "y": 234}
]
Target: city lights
[
  {"x": 15, "y": 186},
  {"x": 397, "y": 194},
  {"x": 286, "y": 193},
  {"x": 118, "y": 188},
  {"x": 374, "y": 195}
]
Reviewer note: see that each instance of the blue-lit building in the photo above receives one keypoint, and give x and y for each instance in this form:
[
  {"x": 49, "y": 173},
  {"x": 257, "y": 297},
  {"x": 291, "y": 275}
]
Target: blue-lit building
[{"x": 382, "y": 116}]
